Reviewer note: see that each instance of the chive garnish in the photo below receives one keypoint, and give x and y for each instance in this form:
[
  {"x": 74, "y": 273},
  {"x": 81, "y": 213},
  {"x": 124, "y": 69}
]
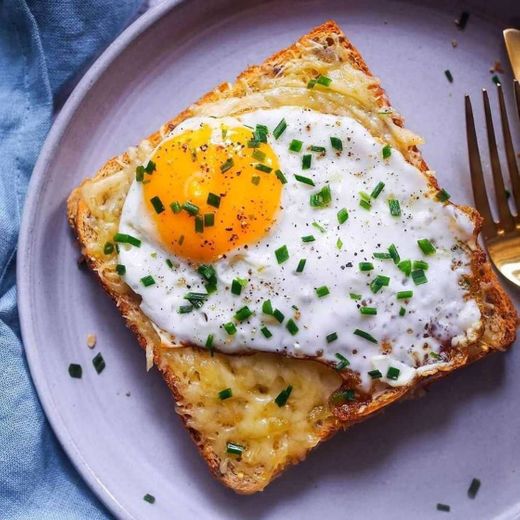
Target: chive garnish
[
  {"x": 387, "y": 151},
  {"x": 258, "y": 155},
  {"x": 147, "y": 280},
  {"x": 150, "y": 167},
  {"x": 225, "y": 394},
  {"x": 139, "y": 173},
  {"x": 304, "y": 180},
  {"x": 185, "y": 309},
  {"x": 253, "y": 144},
  {"x": 295, "y": 145},
  {"x": 280, "y": 176},
  {"x": 333, "y": 336},
  {"x": 157, "y": 204},
  {"x": 99, "y": 363},
  {"x": 323, "y": 80},
  {"x": 292, "y": 327},
  {"x": 448, "y": 75},
  {"x": 308, "y": 238},
  {"x": 283, "y": 396},
  {"x": 336, "y": 143},
  {"x": 381, "y": 256},
  {"x": 405, "y": 266},
  {"x": 317, "y": 149},
  {"x": 196, "y": 299},
  {"x": 236, "y": 286},
  {"x": 426, "y": 246},
  {"x": 120, "y": 269},
  {"x": 378, "y": 283},
  {"x": 368, "y": 311},
  {"x": 319, "y": 227},
  {"x": 420, "y": 264},
  {"x": 255, "y": 180},
  {"x": 267, "y": 307},
  {"x": 375, "y": 374},
  {"x": 301, "y": 265},
  {"x": 175, "y": 207},
  {"x": 354, "y": 296},
  {"x": 442, "y": 195},
  {"x": 419, "y": 277},
  {"x": 393, "y": 373},
  {"x": 234, "y": 448},
  {"x": 365, "y": 335},
  {"x": 209, "y": 219},
  {"x": 404, "y": 295},
  {"x": 322, "y": 291},
  {"x": 365, "y": 204},
  {"x": 149, "y": 498},
  {"x": 213, "y": 200},
  {"x": 230, "y": 328},
  {"x": 306, "y": 162},
  {"x": 228, "y": 164},
  {"x": 109, "y": 248},
  {"x": 123, "y": 238},
  {"x": 395, "y": 207},
  {"x": 263, "y": 168},
  {"x": 443, "y": 507},
  {"x": 199, "y": 224},
  {"x": 343, "y": 396},
  {"x": 280, "y": 129},
  {"x": 190, "y": 208},
  {"x": 75, "y": 371},
  {"x": 377, "y": 190},
  {"x": 311, "y": 83},
  {"x": 473, "y": 488},
  {"x": 434, "y": 355},
  {"x": 339, "y": 243},
  {"x": 260, "y": 133},
  {"x": 392, "y": 250},
  {"x": 278, "y": 315},
  {"x": 243, "y": 313},
  {"x": 342, "y": 215},
  {"x": 322, "y": 198},
  {"x": 282, "y": 254},
  {"x": 266, "y": 332},
  {"x": 343, "y": 362},
  {"x": 366, "y": 266}
]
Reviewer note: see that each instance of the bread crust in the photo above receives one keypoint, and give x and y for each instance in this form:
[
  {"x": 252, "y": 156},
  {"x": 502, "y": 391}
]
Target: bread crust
[{"x": 499, "y": 315}]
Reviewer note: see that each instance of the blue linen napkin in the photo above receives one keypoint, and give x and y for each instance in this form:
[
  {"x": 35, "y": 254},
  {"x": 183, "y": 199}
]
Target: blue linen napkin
[{"x": 43, "y": 46}]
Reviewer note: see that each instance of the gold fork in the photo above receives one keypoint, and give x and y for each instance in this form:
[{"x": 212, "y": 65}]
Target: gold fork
[{"x": 502, "y": 238}]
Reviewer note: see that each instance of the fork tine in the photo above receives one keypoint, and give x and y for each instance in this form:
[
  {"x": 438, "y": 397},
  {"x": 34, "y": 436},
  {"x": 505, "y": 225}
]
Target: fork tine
[
  {"x": 477, "y": 178},
  {"x": 517, "y": 97},
  {"x": 505, "y": 217},
  {"x": 510, "y": 153}
]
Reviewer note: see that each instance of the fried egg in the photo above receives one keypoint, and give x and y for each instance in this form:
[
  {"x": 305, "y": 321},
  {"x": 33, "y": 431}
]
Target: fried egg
[{"x": 288, "y": 230}]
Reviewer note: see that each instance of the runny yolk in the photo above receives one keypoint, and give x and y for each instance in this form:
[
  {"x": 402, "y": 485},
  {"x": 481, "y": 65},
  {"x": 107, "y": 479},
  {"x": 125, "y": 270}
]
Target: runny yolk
[{"x": 240, "y": 179}]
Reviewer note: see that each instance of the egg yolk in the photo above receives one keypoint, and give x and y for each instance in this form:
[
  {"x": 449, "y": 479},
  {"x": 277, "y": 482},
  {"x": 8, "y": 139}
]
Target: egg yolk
[{"x": 208, "y": 197}]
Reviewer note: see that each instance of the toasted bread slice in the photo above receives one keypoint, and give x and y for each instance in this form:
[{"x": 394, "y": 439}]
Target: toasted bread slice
[{"x": 275, "y": 437}]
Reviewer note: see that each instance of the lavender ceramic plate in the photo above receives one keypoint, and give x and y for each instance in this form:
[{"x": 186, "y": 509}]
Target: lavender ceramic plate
[{"x": 119, "y": 428}]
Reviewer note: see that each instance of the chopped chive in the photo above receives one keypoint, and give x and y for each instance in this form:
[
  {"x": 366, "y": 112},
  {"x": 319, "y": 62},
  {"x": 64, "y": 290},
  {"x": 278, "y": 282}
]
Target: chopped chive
[
  {"x": 228, "y": 164},
  {"x": 283, "y": 396},
  {"x": 209, "y": 342},
  {"x": 473, "y": 488},
  {"x": 354, "y": 296},
  {"x": 255, "y": 180},
  {"x": 375, "y": 374},
  {"x": 319, "y": 227},
  {"x": 185, "y": 309},
  {"x": 123, "y": 238},
  {"x": 278, "y": 316},
  {"x": 381, "y": 256},
  {"x": 419, "y": 277},
  {"x": 365, "y": 335},
  {"x": 258, "y": 155},
  {"x": 99, "y": 363},
  {"x": 366, "y": 266},
  {"x": 448, "y": 75},
  {"x": 109, "y": 248},
  {"x": 190, "y": 208},
  {"x": 339, "y": 243},
  {"x": 404, "y": 295},
  {"x": 75, "y": 371},
  {"x": 175, "y": 207},
  {"x": 393, "y": 373},
  {"x": 147, "y": 280},
  {"x": 318, "y": 149},
  {"x": 236, "y": 286},
  {"x": 365, "y": 204},
  {"x": 267, "y": 307},
  {"x": 426, "y": 246},
  {"x": 260, "y": 133},
  {"x": 322, "y": 198},
  {"x": 378, "y": 283},
  {"x": 234, "y": 448},
  {"x": 292, "y": 327},
  {"x": 496, "y": 80},
  {"x": 280, "y": 129},
  {"x": 308, "y": 238},
  {"x": 443, "y": 507},
  {"x": 213, "y": 200},
  {"x": 333, "y": 336},
  {"x": 196, "y": 299},
  {"x": 266, "y": 332},
  {"x": 336, "y": 143},
  {"x": 225, "y": 394},
  {"x": 420, "y": 264},
  {"x": 295, "y": 145},
  {"x": 405, "y": 266},
  {"x": 301, "y": 265},
  {"x": 323, "y": 80},
  {"x": 149, "y": 498},
  {"x": 387, "y": 151},
  {"x": 150, "y": 167},
  {"x": 253, "y": 143},
  {"x": 157, "y": 204},
  {"x": 209, "y": 219},
  {"x": 342, "y": 215},
  {"x": 304, "y": 180},
  {"x": 343, "y": 396},
  {"x": 199, "y": 224},
  {"x": 343, "y": 362},
  {"x": 395, "y": 207},
  {"x": 434, "y": 355},
  {"x": 377, "y": 190},
  {"x": 280, "y": 176},
  {"x": 311, "y": 83},
  {"x": 322, "y": 291},
  {"x": 230, "y": 328},
  {"x": 139, "y": 173},
  {"x": 282, "y": 254},
  {"x": 306, "y": 162},
  {"x": 392, "y": 250},
  {"x": 263, "y": 168},
  {"x": 368, "y": 311},
  {"x": 442, "y": 195},
  {"x": 243, "y": 313},
  {"x": 402, "y": 311}
]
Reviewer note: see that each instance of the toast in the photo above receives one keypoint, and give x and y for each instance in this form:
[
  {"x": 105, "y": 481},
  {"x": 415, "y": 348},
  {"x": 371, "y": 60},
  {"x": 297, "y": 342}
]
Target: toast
[{"x": 276, "y": 437}]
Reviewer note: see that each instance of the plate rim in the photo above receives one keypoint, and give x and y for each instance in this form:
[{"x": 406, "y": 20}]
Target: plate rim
[{"x": 24, "y": 245}]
